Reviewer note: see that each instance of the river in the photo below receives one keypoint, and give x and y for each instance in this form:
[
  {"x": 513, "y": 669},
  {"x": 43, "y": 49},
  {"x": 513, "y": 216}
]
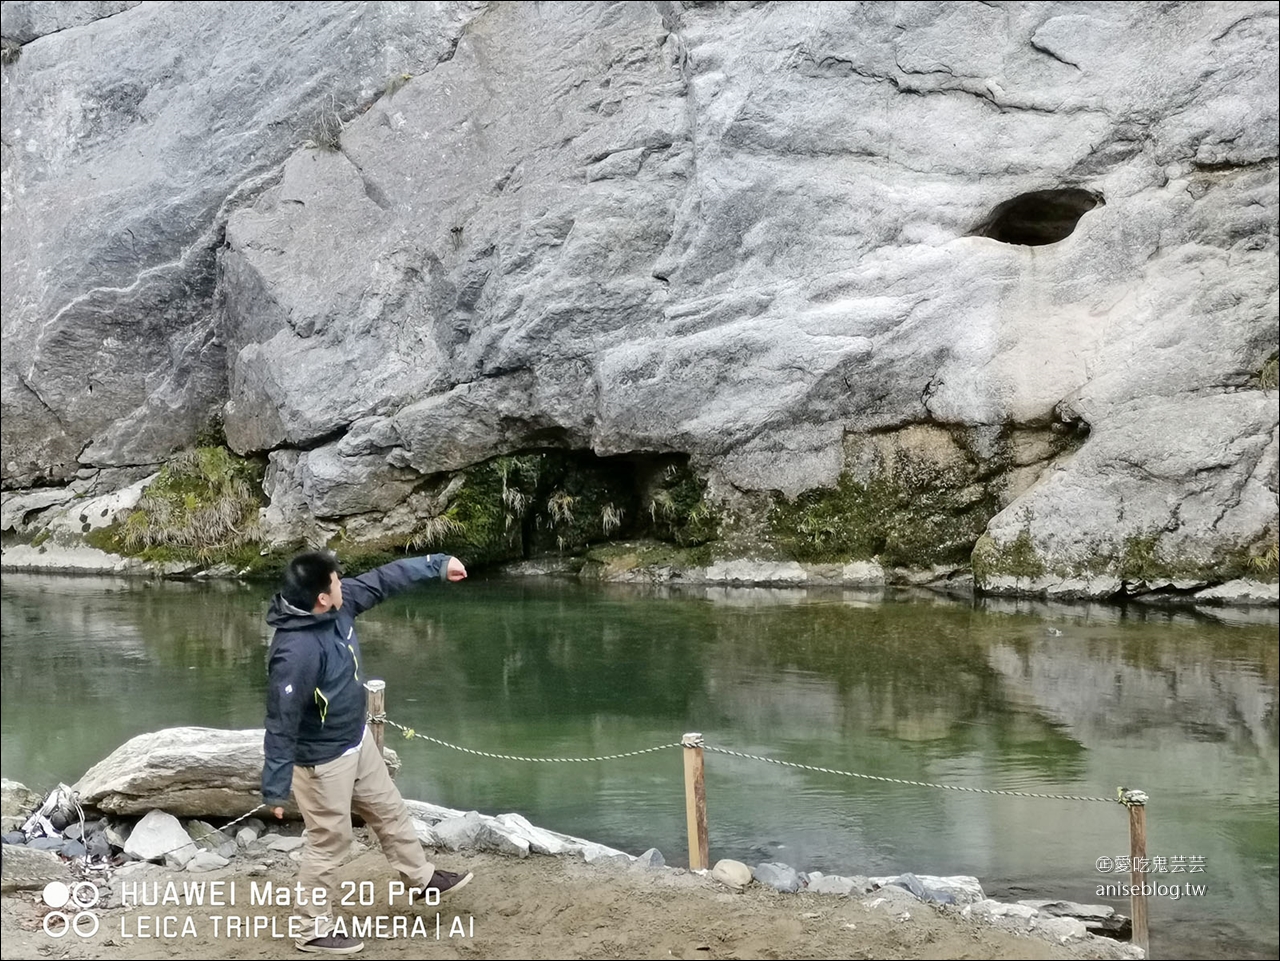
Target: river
[{"x": 1011, "y": 695}]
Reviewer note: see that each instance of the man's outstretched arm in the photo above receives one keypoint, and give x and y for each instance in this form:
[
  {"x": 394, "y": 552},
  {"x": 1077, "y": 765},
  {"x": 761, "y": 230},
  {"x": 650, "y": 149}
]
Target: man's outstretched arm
[{"x": 363, "y": 592}]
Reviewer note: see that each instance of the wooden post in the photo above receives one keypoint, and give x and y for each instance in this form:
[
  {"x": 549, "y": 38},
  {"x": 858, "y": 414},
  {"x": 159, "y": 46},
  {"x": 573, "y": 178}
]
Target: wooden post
[
  {"x": 695, "y": 799},
  {"x": 1136, "y": 802},
  {"x": 376, "y": 701}
]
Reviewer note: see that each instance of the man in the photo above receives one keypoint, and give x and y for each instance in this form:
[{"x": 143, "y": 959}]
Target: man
[{"x": 316, "y": 738}]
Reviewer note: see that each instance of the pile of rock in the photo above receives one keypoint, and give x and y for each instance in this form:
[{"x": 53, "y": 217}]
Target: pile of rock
[{"x": 1060, "y": 921}]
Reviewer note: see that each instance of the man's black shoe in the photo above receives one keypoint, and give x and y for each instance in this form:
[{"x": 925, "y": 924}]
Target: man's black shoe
[{"x": 446, "y": 882}]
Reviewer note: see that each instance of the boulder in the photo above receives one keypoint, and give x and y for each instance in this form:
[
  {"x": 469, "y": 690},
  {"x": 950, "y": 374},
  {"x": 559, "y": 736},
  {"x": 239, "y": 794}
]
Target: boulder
[
  {"x": 160, "y": 836},
  {"x": 732, "y": 874},
  {"x": 540, "y": 840},
  {"x": 650, "y": 860},
  {"x": 460, "y": 833},
  {"x": 495, "y": 838},
  {"x": 958, "y": 889},
  {"x": 477, "y": 832},
  {"x": 26, "y": 867},
  {"x": 187, "y": 771},
  {"x": 819, "y": 883},
  {"x": 1101, "y": 919},
  {"x": 780, "y": 877},
  {"x": 16, "y": 799}
]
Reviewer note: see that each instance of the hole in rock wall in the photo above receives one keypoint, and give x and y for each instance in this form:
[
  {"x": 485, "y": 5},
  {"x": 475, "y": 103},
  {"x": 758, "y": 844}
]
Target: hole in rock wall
[
  {"x": 549, "y": 501},
  {"x": 1040, "y": 217}
]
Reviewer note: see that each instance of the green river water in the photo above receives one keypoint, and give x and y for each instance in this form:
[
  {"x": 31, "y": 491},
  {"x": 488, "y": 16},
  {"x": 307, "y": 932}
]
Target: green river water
[{"x": 1013, "y": 695}]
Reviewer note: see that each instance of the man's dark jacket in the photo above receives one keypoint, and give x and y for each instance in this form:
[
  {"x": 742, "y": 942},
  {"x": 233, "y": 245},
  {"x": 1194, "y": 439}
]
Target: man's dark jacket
[{"x": 315, "y": 693}]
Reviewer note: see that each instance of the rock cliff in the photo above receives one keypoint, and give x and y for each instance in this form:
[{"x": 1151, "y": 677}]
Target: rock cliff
[{"x": 938, "y": 274}]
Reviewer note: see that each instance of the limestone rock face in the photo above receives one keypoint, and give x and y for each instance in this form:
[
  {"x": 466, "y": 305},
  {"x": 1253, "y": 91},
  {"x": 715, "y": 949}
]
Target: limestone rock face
[
  {"x": 129, "y": 138},
  {"x": 753, "y": 234}
]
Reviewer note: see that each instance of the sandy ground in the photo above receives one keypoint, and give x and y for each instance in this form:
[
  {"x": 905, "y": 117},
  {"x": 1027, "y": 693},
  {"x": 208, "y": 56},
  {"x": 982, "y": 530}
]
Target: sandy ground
[{"x": 540, "y": 908}]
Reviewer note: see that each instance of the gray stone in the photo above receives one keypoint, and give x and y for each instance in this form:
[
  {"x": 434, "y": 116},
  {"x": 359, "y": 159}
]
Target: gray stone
[
  {"x": 77, "y": 831},
  {"x": 98, "y": 847},
  {"x": 284, "y": 842},
  {"x": 819, "y": 883},
  {"x": 26, "y": 867},
  {"x": 732, "y": 874},
  {"x": 426, "y": 833},
  {"x": 160, "y": 835},
  {"x": 1242, "y": 592},
  {"x": 493, "y": 837},
  {"x": 116, "y": 833},
  {"x": 188, "y": 771},
  {"x": 778, "y": 876},
  {"x": 592, "y": 853},
  {"x": 962, "y": 889},
  {"x": 14, "y": 837},
  {"x": 246, "y": 836},
  {"x": 650, "y": 860},
  {"x": 228, "y": 849},
  {"x": 206, "y": 836},
  {"x": 1071, "y": 909},
  {"x": 1062, "y": 929},
  {"x": 460, "y": 833},
  {"x": 48, "y": 844},
  {"x": 74, "y": 849},
  {"x": 540, "y": 840},
  {"x": 996, "y": 909},
  {"x": 207, "y": 861},
  {"x": 477, "y": 832},
  {"x": 335, "y": 485},
  {"x": 18, "y": 800},
  {"x": 891, "y": 899}
]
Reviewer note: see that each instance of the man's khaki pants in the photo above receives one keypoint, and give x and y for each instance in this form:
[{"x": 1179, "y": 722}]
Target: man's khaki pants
[{"x": 327, "y": 794}]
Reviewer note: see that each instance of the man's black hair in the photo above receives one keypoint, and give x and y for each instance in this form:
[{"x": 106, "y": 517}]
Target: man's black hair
[{"x": 307, "y": 577}]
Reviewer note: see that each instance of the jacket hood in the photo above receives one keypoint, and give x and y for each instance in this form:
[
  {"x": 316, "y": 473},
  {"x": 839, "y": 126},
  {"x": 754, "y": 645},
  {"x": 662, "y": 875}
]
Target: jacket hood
[{"x": 283, "y": 616}]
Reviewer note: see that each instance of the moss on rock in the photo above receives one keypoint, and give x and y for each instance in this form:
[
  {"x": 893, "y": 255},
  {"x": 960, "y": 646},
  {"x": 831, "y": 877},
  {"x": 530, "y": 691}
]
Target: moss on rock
[
  {"x": 1018, "y": 558},
  {"x": 918, "y": 498},
  {"x": 203, "y": 508}
]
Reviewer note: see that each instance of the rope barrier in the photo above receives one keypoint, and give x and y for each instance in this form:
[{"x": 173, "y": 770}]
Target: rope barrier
[
  {"x": 898, "y": 780},
  {"x": 410, "y": 733}
]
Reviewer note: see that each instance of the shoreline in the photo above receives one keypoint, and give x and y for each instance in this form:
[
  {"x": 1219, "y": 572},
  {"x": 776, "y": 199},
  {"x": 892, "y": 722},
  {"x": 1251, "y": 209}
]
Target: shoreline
[
  {"x": 214, "y": 906},
  {"x": 1240, "y": 595}
]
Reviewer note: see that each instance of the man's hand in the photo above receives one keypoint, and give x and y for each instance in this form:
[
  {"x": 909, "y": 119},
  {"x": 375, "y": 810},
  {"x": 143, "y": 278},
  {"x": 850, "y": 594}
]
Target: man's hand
[
  {"x": 279, "y": 813},
  {"x": 456, "y": 570}
]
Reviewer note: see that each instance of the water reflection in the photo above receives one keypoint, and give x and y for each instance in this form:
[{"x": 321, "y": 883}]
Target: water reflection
[{"x": 1009, "y": 694}]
